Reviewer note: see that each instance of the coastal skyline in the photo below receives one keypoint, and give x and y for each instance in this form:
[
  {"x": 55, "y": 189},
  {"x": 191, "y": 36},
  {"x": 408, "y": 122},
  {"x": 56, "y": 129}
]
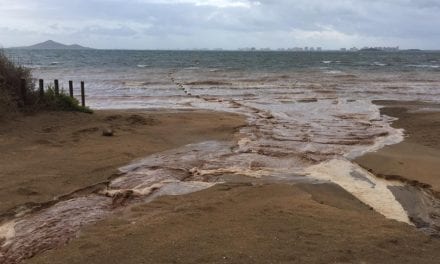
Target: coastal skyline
[
  {"x": 53, "y": 45},
  {"x": 225, "y": 24}
]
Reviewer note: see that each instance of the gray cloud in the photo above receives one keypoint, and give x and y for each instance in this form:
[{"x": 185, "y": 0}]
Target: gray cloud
[{"x": 222, "y": 23}]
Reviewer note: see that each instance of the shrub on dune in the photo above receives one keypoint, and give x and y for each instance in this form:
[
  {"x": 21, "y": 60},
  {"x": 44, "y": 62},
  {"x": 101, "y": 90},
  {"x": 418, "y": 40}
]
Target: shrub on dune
[{"x": 11, "y": 92}]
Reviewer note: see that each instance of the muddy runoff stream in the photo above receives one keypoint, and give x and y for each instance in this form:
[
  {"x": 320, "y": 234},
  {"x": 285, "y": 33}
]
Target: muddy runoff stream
[{"x": 287, "y": 139}]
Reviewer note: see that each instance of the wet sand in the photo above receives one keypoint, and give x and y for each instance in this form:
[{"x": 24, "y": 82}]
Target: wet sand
[
  {"x": 417, "y": 159},
  {"x": 47, "y": 155}
]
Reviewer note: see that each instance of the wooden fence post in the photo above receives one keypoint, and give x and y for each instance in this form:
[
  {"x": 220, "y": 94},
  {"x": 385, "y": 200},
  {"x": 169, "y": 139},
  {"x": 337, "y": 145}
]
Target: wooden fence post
[
  {"x": 23, "y": 90},
  {"x": 57, "y": 87},
  {"x": 41, "y": 83},
  {"x": 71, "y": 88},
  {"x": 83, "y": 96}
]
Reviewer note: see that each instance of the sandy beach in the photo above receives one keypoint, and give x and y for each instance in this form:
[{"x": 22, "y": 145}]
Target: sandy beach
[{"x": 258, "y": 222}]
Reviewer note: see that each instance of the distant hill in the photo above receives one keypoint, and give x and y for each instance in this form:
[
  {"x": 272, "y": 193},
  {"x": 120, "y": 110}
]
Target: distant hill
[{"x": 52, "y": 45}]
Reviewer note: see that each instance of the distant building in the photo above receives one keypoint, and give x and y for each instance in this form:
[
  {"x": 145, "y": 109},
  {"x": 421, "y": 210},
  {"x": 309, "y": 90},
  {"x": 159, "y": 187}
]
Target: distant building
[
  {"x": 386, "y": 49},
  {"x": 391, "y": 49},
  {"x": 354, "y": 49},
  {"x": 248, "y": 49},
  {"x": 343, "y": 49},
  {"x": 318, "y": 49}
]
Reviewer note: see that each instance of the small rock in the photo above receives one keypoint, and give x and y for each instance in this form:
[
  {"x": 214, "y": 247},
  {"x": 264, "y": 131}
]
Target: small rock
[{"x": 107, "y": 132}]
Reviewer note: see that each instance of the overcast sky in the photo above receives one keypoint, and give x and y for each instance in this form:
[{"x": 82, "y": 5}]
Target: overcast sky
[{"x": 230, "y": 24}]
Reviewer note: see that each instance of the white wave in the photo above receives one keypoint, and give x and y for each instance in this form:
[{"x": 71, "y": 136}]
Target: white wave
[
  {"x": 192, "y": 68},
  {"x": 424, "y": 66},
  {"x": 379, "y": 64},
  {"x": 333, "y": 72}
]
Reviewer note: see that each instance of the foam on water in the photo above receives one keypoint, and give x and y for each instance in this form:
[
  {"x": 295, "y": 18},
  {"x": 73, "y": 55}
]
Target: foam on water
[
  {"x": 425, "y": 66},
  {"x": 7, "y": 232}
]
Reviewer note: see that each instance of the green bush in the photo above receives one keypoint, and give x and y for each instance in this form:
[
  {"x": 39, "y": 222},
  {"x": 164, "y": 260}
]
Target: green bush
[{"x": 62, "y": 102}]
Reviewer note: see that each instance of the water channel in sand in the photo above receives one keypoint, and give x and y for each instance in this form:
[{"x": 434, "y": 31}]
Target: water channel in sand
[{"x": 300, "y": 128}]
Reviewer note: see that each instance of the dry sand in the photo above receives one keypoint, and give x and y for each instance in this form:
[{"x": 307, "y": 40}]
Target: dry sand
[{"x": 50, "y": 154}]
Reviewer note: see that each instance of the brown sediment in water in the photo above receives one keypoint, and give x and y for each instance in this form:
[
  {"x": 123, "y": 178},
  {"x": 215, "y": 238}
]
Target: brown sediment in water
[{"x": 52, "y": 154}]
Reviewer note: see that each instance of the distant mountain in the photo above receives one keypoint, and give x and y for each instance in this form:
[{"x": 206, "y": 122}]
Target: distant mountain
[{"x": 52, "y": 45}]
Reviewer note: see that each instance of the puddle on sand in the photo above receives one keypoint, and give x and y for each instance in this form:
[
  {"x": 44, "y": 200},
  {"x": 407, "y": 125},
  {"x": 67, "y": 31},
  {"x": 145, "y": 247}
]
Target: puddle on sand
[{"x": 422, "y": 206}]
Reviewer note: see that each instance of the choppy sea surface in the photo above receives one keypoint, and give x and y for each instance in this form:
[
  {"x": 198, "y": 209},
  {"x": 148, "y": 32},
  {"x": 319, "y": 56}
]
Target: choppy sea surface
[{"x": 308, "y": 114}]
